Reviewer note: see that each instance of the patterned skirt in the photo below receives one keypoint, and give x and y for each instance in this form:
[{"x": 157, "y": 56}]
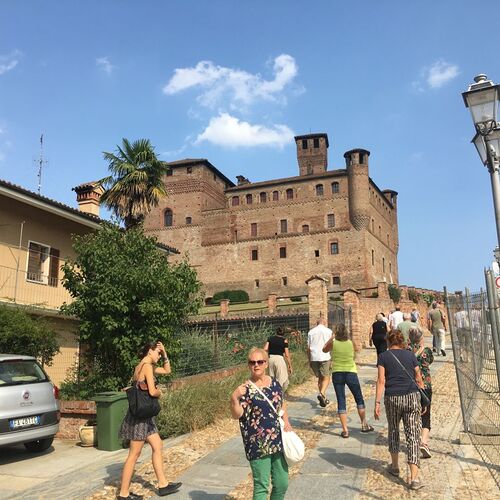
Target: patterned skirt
[{"x": 137, "y": 429}]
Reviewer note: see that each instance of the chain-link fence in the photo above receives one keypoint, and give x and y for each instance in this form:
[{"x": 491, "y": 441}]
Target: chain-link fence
[
  {"x": 474, "y": 327},
  {"x": 206, "y": 346}
]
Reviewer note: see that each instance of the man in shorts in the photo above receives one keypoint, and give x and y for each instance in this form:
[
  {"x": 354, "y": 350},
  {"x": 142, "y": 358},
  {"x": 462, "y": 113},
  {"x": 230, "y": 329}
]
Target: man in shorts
[{"x": 319, "y": 360}]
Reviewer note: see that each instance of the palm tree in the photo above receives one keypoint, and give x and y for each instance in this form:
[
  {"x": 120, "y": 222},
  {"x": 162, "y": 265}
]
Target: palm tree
[{"x": 136, "y": 181}]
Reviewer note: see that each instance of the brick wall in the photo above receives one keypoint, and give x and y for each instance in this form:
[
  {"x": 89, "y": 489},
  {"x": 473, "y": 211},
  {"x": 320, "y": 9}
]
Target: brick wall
[{"x": 74, "y": 414}]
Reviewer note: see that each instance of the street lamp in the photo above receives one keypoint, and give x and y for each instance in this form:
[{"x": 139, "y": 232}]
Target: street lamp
[{"x": 482, "y": 100}]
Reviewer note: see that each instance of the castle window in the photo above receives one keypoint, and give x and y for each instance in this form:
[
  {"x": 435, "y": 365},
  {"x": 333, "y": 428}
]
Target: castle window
[
  {"x": 373, "y": 257},
  {"x": 361, "y": 158},
  {"x": 235, "y": 201},
  {"x": 284, "y": 226},
  {"x": 305, "y": 228},
  {"x": 276, "y": 196},
  {"x": 289, "y": 194},
  {"x": 255, "y": 254},
  {"x": 316, "y": 143},
  {"x": 189, "y": 170},
  {"x": 387, "y": 239},
  {"x": 334, "y": 248},
  {"x": 390, "y": 267},
  {"x": 373, "y": 225},
  {"x": 169, "y": 172},
  {"x": 284, "y": 280},
  {"x": 257, "y": 283},
  {"x": 215, "y": 177},
  {"x": 249, "y": 199},
  {"x": 253, "y": 229},
  {"x": 319, "y": 190},
  {"x": 282, "y": 252},
  {"x": 379, "y": 231},
  {"x": 331, "y": 220},
  {"x": 383, "y": 264},
  {"x": 304, "y": 143},
  {"x": 263, "y": 197},
  {"x": 335, "y": 187},
  {"x": 316, "y": 253},
  {"x": 168, "y": 218},
  {"x": 335, "y": 280},
  {"x": 189, "y": 220}
]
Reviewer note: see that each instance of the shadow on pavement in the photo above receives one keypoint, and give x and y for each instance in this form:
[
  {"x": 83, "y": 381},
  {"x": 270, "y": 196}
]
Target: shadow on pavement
[{"x": 13, "y": 454}]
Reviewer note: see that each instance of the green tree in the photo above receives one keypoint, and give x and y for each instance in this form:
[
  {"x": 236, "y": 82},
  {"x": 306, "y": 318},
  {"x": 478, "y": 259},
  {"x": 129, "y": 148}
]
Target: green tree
[
  {"x": 20, "y": 333},
  {"x": 136, "y": 181},
  {"x": 125, "y": 294},
  {"x": 394, "y": 292}
]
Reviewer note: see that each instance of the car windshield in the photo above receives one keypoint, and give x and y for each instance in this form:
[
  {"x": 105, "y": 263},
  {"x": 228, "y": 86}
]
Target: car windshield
[{"x": 20, "y": 371}]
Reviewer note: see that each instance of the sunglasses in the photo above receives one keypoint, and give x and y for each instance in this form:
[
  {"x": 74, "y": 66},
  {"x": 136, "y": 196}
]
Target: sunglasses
[{"x": 257, "y": 362}]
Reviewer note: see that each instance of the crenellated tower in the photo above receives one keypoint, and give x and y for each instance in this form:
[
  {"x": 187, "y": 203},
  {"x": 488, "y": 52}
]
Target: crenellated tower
[
  {"x": 312, "y": 153},
  {"x": 358, "y": 184}
]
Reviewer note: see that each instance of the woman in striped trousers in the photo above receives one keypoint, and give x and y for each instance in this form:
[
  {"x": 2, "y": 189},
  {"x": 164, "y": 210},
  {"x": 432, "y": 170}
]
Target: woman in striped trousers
[{"x": 402, "y": 402}]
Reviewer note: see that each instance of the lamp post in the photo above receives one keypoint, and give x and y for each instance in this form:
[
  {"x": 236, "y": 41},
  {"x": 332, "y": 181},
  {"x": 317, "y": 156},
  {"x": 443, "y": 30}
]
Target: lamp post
[{"x": 482, "y": 99}]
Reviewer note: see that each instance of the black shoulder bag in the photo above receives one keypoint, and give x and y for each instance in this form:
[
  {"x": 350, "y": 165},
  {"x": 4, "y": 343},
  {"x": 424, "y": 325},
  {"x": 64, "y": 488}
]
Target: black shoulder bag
[
  {"x": 424, "y": 400},
  {"x": 140, "y": 403}
]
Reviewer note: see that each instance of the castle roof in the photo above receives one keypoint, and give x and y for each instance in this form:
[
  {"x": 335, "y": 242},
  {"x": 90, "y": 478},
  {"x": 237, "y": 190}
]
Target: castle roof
[
  {"x": 312, "y": 136},
  {"x": 197, "y": 161}
]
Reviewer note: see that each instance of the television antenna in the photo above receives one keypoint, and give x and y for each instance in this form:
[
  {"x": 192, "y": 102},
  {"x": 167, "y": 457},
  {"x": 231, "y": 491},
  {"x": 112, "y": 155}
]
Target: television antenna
[{"x": 40, "y": 162}]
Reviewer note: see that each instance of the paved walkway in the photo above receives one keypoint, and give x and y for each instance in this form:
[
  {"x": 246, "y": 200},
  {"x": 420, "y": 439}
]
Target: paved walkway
[{"x": 345, "y": 468}]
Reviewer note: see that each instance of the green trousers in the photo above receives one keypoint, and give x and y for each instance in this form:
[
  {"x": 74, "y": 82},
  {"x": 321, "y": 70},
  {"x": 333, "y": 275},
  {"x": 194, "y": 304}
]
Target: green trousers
[{"x": 272, "y": 467}]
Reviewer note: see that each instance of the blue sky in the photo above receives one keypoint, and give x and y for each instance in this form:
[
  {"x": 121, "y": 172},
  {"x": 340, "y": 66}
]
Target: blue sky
[{"x": 386, "y": 76}]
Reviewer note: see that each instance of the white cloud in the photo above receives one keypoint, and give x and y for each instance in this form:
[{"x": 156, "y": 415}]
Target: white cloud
[
  {"x": 9, "y": 62},
  {"x": 228, "y": 131},
  {"x": 440, "y": 73},
  {"x": 238, "y": 86},
  {"x": 436, "y": 75},
  {"x": 105, "y": 64}
]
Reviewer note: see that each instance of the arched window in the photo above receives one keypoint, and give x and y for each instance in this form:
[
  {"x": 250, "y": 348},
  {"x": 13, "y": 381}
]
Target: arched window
[
  {"x": 335, "y": 187},
  {"x": 263, "y": 197},
  {"x": 276, "y": 195},
  {"x": 289, "y": 194},
  {"x": 189, "y": 220},
  {"x": 305, "y": 228},
  {"x": 249, "y": 199},
  {"x": 168, "y": 217},
  {"x": 235, "y": 201},
  {"x": 319, "y": 189}
]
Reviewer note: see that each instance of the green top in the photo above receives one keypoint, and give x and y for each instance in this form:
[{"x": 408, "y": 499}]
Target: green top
[
  {"x": 343, "y": 357},
  {"x": 436, "y": 316},
  {"x": 404, "y": 328}
]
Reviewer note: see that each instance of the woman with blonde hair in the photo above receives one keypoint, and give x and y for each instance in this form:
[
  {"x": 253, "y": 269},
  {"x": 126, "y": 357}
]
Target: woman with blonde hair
[
  {"x": 345, "y": 372},
  {"x": 260, "y": 427}
]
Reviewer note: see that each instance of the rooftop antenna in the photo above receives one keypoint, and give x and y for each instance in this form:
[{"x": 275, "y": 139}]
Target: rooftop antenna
[{"x": 41, "y": 162}]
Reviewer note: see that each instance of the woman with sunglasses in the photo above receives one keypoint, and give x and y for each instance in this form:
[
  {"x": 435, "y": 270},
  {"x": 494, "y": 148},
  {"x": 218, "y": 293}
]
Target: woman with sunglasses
[{"x": 260, "y": 427}]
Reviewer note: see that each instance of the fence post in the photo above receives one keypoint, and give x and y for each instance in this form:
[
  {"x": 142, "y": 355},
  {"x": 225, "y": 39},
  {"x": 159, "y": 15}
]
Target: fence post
[
  {"x": 456, "y": 355},
  {"x": 495, "y": 327},
  {"x": 272, "y": 303},
  {"x": 472, "y": 340},
  {"x": 318, "y": 299},
  {"x": 224, "y": 308}
]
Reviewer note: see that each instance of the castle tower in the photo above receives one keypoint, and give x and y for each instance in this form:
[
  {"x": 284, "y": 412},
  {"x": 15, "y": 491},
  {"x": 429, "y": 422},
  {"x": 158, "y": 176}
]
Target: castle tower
[
  {"x": 312, "y": 153},
  {"x": 358, "y": 182}
]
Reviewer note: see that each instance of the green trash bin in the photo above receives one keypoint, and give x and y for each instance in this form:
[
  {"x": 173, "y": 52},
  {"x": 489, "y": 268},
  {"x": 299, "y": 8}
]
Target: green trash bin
[{"x": 111, "y": 408}]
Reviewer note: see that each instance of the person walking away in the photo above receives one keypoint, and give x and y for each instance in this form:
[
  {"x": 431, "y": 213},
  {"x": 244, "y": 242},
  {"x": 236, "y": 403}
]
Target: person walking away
[
  {"x": 384, "y": 319},
  {"x": 260, "y": 427},
  {"x": 141, "y": 430},
  {"x": 277, "y": 348},
  {"x": 405, "y": 326},
  {"x": 402, "y": 402},
  {"x": 425, "y": 358},
  {"x": 437, "y": 326},
  {"x": 319, "y": 360},
  {"x": 345, "y": 372},
  {"x": 415, "y": 315},
  {"x": 395, "y": 318},
  {"x": 461, "y": 319},
  {"x": 378, "y": 335}
]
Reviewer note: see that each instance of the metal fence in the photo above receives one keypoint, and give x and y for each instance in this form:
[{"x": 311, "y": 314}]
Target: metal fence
[
  {"x": 209, "y": 345},
  {"x": 475, "y": 327}
]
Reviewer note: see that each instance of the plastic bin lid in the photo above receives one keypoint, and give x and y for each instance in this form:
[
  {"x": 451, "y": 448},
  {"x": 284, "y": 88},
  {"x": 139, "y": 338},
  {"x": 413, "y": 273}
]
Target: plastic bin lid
[{"x": 109, "y": 397}]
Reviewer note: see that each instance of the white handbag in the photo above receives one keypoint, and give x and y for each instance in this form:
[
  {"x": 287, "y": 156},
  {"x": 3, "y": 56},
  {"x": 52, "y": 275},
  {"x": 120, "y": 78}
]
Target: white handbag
[{"x": 293, "y": 446}]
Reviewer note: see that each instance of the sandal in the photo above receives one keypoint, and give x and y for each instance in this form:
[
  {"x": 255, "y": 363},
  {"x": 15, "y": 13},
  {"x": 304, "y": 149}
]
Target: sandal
[
  {"x": 391, "y": 471},
  {"x": 344, "y": 434},
  {"x": 367, "y": 428}
]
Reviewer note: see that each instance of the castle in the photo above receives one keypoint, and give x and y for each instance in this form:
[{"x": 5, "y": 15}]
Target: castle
[{"x": 270, "y": 237}]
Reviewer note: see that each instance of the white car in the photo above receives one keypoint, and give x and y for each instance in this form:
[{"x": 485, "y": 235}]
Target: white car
[{"x": 29, "y": 407}]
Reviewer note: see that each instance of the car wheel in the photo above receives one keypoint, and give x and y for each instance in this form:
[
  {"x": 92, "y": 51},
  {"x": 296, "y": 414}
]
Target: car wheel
[{"x": 39, "y": 445}]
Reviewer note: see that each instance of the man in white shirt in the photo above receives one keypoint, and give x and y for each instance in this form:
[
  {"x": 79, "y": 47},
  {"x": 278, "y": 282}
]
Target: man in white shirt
[
  {"x": 319, "y": 360},
  {"x": 395, "y": 318}
]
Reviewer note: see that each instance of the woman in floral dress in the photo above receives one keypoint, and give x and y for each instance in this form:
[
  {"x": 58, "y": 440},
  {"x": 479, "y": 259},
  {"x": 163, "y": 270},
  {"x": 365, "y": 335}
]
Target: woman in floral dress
[
  {"x": 260, "y": 427},
  {"x": 425, "y": 358}
]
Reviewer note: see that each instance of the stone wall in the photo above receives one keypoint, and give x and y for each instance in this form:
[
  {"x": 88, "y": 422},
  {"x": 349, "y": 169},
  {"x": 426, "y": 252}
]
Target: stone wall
[{"x": 74, "y": 414}]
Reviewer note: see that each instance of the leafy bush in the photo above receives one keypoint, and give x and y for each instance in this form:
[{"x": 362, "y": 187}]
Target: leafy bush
[
  {"x": 232, "y": 295},
  {"x": 429, "y": 298},
  {"x": 394, "y": 293},
  {"x": 125, "y": 294},
  {"x": 413, "y": 295},
  {"x": 22, "y": 334}
]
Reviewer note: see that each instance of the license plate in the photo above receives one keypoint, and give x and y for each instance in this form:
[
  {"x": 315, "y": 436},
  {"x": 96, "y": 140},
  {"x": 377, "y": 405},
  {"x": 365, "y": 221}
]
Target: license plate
[{"x": 24, "y": 422}]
